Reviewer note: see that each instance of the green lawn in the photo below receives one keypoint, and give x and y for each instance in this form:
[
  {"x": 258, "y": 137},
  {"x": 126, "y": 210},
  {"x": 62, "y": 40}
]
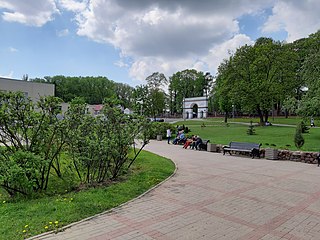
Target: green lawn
[
  {"x": 272, "y": 136},
  {"x": 275, "y": 120},
  {"x": 24, "y": 218}
]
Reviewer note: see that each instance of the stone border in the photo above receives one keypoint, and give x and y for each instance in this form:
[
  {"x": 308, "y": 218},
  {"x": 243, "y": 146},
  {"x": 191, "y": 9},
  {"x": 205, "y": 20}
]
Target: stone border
[
  {"x": 298, "y": 156},
  {"x": 284, "y": 155}
]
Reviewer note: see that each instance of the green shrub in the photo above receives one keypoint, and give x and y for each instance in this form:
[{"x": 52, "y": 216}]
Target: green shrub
[
  {"x": 21, "y": 172},
  {"x": 304, "y": 128},
  {"x": 251, "y": 130},
  {"x": 160, "y": 128},
  {"x": 298, "y": 138}
]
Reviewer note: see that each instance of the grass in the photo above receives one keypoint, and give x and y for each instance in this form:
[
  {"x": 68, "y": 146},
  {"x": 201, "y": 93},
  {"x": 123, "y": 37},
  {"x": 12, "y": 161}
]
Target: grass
[
  {"x": 24, "y": 218},
  {"x": 275, "y": 120},
  {"x": 281, "y": 137}
]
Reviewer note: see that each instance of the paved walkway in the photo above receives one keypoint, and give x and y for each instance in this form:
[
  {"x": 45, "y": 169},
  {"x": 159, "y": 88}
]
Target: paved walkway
[{"x": 216, "y": 197}]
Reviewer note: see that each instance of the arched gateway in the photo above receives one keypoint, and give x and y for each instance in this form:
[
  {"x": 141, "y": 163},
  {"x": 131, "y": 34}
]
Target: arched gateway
[{"x": 196, "y": 107}]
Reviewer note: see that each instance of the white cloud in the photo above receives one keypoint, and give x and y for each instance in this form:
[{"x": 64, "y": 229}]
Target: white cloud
[
  {"x": 12, "y": 49},
  {"x": 72, "y": 5},
  {"x": 298, "y": 18},
  {"x": 63, "y": 33},
  {"x": 33, "y": 13},
  {"x": 222, "y": 51},
  {"x": 165, "y": 36}
]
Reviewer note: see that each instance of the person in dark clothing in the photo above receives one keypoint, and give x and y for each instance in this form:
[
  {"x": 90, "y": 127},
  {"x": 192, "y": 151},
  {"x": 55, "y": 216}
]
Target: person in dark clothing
[{"x": 198, "y": 142}]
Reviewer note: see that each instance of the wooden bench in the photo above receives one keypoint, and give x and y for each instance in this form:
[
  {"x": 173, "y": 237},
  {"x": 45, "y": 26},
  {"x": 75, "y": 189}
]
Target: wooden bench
[{"x": 252, "y": 148}]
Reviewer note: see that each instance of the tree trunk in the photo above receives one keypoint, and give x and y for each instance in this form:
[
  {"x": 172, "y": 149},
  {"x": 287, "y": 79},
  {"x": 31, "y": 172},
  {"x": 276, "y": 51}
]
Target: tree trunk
[
  {"x": 226, "y": 117},
  {"x": 260, "y": 115},
  {"x": 266, "y": 116}
]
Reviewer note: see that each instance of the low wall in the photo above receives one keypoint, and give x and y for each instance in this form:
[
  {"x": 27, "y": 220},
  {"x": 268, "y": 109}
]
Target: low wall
[{"x": 296, "y": 156}]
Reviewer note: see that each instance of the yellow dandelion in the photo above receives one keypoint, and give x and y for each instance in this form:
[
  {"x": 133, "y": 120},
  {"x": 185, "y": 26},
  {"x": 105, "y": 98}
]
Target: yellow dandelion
[
  {"x": 4, "y": 202},
  {"x": 24, "y": 231},
  {"x": 26, "y": 226},
  {"x": 46, "y": 227},
  {"x": 56, "y": 222},
  {"x": 50, "y": 222}
]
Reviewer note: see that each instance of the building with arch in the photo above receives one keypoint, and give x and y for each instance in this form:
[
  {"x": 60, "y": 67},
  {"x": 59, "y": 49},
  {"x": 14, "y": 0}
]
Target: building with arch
[{"x": 196, "y": 107}]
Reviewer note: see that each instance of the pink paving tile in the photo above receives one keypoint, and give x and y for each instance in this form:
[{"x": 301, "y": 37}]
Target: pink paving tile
[{"x": 215, "y": 197}]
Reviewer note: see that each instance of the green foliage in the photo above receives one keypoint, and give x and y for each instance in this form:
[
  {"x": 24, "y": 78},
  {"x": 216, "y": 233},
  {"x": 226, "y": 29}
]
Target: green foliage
[
  {"x": 256, "y": 77},
  {"x": 33, "y": 133},
  {"x": 304, "y": 127},
  {"x": 100, "y": 145},
  {"x": 298, "y": 138},
  {"x": 160, "y": 128},
  {"x": 309, "y": 106},
  {"x": 151, "y": 99},
  {"x": 34, "y": 139},
  {"x": 20, "y": 171},
  {"x": 251, "y": 130},
  {"x": 185, "y": 84},
  {"x": 23, "y": 218},
  {"x": 92, "y": 89}
]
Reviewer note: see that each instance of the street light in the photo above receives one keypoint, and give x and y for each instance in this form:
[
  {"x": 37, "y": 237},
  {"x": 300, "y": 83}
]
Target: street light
[{"x": 232, "y": 110}]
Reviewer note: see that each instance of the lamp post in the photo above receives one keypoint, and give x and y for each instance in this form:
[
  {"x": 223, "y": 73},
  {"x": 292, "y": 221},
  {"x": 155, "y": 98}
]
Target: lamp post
[{"x": 232, "y": 110}]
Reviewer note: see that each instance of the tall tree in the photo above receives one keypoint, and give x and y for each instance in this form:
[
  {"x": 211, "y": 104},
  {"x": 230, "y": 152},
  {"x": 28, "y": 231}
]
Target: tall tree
[
  {"x": 150, "y": 98},
  {"x": 260, "y": 76},
  {"x": 185, "y": 84}
]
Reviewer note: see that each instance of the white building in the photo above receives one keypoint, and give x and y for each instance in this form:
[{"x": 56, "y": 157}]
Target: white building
[
  {"x": 33, "y": 90},
  {"x": 196, "y": 107}
]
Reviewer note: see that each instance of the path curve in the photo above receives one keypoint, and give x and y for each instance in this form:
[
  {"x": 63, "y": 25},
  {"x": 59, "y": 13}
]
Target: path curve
[{"x": 213, "y": 196}]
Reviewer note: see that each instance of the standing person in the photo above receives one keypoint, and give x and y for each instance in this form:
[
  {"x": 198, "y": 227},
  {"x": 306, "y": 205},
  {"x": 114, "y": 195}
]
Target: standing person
[
  {"x": 168, "y": 135},
  {"x": 312, "y": 122}
]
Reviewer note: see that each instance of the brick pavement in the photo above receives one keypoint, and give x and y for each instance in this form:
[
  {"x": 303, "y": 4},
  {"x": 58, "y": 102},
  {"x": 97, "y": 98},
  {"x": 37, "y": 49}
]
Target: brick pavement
[{"x": 213, "y": 196}]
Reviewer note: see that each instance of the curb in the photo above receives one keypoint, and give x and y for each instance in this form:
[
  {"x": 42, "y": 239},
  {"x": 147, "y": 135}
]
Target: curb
[{"x": 107, "y": 211}]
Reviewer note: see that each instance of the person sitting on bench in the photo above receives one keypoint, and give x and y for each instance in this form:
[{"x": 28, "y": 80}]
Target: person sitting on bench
[
  {"x": 188, "y": 142},
  {"x": 180, "y": 138},
  {"x": 196, "y": 143}
]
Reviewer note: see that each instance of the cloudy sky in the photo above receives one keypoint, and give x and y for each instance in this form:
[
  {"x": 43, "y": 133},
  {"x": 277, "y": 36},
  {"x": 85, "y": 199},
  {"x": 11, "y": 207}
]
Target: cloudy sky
[{"x": 127, "y": 40}]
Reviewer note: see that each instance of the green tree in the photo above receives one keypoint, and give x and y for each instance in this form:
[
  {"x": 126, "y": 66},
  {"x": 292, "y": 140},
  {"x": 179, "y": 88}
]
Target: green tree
[
  {"x": 124, "y": 93},
  {"x": 101, "y": 146},
  {"x": 185, "y": 84},
  {"x": 223, "y": 88},
  {"x": 257, "y": 77},
  {"x": 92, "y": 89},
  {"x": 298, "y": 138},
  {"x": 150, "y": 99}
]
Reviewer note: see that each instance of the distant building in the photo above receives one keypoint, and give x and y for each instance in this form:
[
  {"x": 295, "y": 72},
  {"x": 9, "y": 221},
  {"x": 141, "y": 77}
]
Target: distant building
[
  {"x": 127, "y": 111},
  {"x": 196, "y": 107},
  {"x": 33, "y": 90}
]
